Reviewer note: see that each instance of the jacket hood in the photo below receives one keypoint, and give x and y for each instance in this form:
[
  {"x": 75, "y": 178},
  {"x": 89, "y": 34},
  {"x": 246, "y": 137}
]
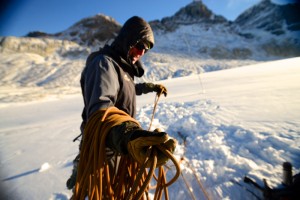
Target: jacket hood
[{"x": 133, "y": 31}]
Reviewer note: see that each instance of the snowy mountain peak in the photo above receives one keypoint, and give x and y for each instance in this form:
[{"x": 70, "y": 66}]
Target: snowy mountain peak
[
  {"x": 193, "y": 13},
  {"x": 270, "y": 17},
  {"x": 197, "y": 11},
  {"x": 92, "y": 30},
  {"x": 89, "y": 31}
]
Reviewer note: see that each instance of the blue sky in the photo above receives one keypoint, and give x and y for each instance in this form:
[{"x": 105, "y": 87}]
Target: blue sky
[{"x": 19, "y": 17}]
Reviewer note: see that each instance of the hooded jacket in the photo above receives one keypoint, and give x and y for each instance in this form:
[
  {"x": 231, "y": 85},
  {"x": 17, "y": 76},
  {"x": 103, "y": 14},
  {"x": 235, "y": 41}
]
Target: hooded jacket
[{"x": 108, "y": 77}]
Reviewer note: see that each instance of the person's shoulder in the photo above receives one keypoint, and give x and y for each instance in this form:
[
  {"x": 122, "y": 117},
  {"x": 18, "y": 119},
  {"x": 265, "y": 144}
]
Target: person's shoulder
[{"x": 107, "y": 63}]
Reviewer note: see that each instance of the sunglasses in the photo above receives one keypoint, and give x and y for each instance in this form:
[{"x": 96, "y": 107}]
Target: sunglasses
[{"x": 142, "y": 46}]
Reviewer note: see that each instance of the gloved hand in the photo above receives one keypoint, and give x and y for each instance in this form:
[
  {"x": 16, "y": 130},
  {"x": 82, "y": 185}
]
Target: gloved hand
[
  {"x": 128, "y": 137},
  {"x": 141, "y": 140},
  {"x": 158, "y": 88}
]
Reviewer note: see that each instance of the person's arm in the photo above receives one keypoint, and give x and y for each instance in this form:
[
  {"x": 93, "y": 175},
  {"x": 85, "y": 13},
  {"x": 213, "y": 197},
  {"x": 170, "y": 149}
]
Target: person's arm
[
  {"x": 144, "y": 88},
  {"x": 101, "y": 85}
]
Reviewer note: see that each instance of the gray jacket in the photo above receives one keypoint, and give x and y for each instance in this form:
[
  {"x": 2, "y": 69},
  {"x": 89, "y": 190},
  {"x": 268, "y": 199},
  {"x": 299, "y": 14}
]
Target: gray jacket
[{"x": 108, "y": 77}]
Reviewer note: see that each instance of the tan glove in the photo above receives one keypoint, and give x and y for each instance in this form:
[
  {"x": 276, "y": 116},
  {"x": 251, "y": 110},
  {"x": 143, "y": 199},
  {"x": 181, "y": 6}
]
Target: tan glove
[
  {"x": 160, "y": 89},
  {"x": 141, "y": 140}
]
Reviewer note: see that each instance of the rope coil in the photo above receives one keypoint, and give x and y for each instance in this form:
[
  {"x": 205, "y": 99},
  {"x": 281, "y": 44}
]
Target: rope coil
[{"x": 99, "y": 179}]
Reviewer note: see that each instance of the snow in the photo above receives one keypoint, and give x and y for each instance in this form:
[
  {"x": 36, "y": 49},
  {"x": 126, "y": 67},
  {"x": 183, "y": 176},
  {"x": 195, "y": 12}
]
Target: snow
[{"x": 228, "y": 123}]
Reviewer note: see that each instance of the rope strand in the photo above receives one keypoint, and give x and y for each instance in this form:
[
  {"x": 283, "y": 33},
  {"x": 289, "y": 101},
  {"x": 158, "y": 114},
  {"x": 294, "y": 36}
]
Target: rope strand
[{"x": 154, "y": 108}]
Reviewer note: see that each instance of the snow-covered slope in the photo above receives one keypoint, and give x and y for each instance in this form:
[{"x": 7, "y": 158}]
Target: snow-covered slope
[
  {"x": 42, "y": 67},
  {"x": 34, "y": 67},
  {"x": 229, "y": 123}
]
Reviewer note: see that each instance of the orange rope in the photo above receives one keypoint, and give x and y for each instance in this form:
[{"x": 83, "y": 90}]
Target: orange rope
[{"x": 97, "y": 179}]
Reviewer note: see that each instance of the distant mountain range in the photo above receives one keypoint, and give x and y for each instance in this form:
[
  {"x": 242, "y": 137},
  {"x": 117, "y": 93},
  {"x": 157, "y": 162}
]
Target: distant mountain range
[{"x": 271, "y": 30}]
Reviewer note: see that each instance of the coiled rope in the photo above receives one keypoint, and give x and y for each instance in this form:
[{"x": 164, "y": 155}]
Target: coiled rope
[{"x": 99, "y": 178}]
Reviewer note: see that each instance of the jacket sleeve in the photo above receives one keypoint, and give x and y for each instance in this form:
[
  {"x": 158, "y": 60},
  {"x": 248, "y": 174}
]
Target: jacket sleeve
[
  {"x": 139, "y": 87},
  {"x": 144, "y": 88},
  {"x": 100, "y": 85}
]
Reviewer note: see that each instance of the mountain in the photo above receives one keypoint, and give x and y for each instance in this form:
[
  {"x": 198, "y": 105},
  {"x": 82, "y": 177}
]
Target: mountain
[
  {"x": 276, "y": 26},
  {"x": 192, "y": 41},
  {"x": 266, "y": 31},
  {"x": 194, "y": 13},
  {"x": 89, "y": 31},
  {"x": 277, "y": 19}
]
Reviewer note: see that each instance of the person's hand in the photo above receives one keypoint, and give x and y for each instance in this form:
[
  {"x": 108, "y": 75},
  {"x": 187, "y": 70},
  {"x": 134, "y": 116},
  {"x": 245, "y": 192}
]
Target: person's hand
[
  {"x": 141, "y": 140},
  {"x": 158, "y": 88}
]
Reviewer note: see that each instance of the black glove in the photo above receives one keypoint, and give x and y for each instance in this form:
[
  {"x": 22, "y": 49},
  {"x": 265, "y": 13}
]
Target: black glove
[
  {"x": 158, "y": 88},
  {"x": 119, "y": 136}
]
